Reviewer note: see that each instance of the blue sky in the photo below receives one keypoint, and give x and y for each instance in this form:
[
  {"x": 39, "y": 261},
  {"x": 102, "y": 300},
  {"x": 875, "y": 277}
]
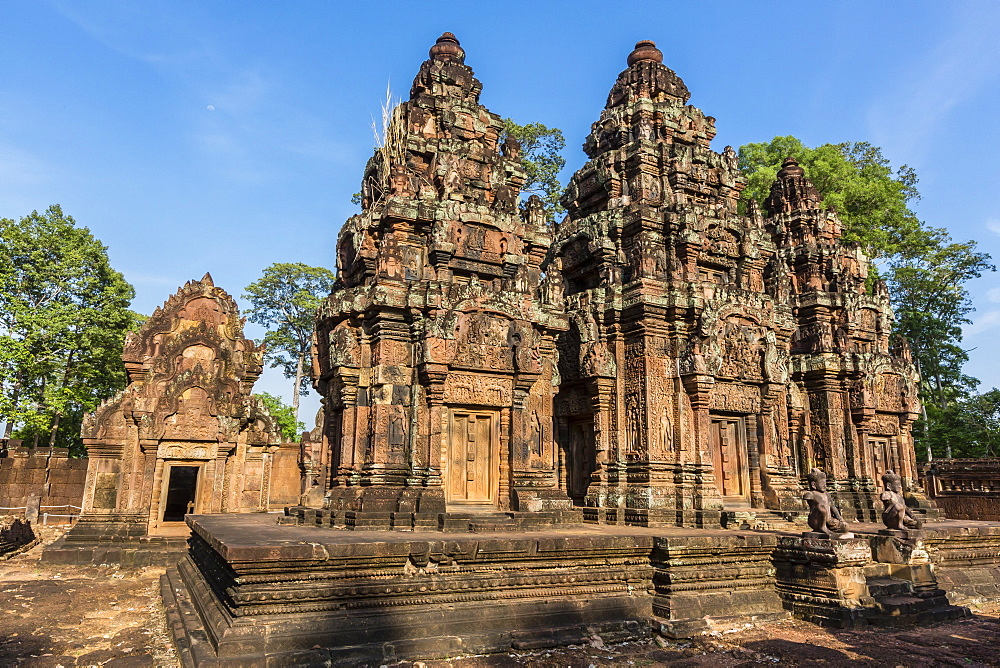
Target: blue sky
[{"x": 224, "y": 136}]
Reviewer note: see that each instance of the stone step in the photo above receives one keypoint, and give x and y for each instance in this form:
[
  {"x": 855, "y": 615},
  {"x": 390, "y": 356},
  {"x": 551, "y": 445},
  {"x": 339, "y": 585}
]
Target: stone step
[
  {"x": 763, "y": 519},
  {"x": 491, "y": 527},
  {"x": 900, "y": 604},
  {"x": 888, "y": 586},
  {"x": 929, "y": 615},
  {"x": 477, "y": 521}
]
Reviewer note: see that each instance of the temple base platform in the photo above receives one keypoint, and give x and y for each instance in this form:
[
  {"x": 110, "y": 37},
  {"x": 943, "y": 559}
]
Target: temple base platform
[
  {"x": 122, "y": 541},
  {"x": 251, "y": 591}
]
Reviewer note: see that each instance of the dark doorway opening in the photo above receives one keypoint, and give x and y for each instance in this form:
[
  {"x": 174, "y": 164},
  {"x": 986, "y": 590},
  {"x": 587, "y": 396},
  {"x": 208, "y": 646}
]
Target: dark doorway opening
[
  {"x": 581, "y": 460},
  {"x": 181, "y": 489}
]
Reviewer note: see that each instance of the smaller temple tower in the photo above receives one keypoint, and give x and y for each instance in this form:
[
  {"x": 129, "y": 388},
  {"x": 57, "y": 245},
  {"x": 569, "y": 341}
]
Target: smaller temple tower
[
  {"x": 859, "y": 380},
  {"x": 186, "y": 435}
]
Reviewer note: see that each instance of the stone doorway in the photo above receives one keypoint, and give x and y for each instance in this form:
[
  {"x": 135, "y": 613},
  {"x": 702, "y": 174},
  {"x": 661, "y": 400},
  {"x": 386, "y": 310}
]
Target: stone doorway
[
  {"x": 729, "y": 455},
  {"x": 881, "y": 453},
  {"x": 581, "y": 458},
  {"x": 473, "y": 470},
  {"x": 180, "y": 492}
]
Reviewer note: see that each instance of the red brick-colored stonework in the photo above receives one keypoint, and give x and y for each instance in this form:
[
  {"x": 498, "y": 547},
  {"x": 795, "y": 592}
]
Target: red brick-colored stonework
[
  {"x": 50, "y": 474},
  {"x": 187, "y": 404},
  {"x": 657, "y": 357}
]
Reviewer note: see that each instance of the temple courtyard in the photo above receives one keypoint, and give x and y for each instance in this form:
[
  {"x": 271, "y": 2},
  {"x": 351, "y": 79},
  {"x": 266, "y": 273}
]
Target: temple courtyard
[
  {"x": 669, "y": 429},
  {"x": 57, "y": 615}
]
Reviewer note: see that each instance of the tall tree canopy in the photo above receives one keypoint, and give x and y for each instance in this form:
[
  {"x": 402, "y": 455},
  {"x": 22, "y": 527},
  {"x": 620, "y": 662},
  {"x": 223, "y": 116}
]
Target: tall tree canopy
[
  {"x": 926, "y": 270},
  {"x": 856, "y": 180},
  {"x": 64, "y": 313},
  {"x": 968, "y": 426},
  {"x": 284, "y": 416},
  {"x": 284, "y": 300},
  {"x": 541, "y": 156}
]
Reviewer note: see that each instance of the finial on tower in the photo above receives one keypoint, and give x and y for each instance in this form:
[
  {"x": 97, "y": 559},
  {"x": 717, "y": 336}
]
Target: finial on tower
[
  {"x": 645, "y": 51},
  {"x": 207, "y": 279},
  {"x": 447, "y": 48},
  {"x": 790, "y": 167}
]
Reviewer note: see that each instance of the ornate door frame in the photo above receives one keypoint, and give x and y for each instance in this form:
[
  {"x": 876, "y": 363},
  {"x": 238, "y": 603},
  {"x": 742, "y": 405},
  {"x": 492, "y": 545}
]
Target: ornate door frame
[{"x": 455, "y": 440}]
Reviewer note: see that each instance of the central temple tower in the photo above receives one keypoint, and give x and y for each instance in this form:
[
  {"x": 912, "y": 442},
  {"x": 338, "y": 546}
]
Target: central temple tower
[
  {"x": 713, "y": 357},
  {"x": 675, "y": 367}
]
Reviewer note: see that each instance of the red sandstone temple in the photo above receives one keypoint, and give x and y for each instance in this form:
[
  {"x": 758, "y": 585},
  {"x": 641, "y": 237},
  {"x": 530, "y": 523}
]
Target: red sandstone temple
[
  {"x": 498, "y": 387},
  {"x": 657, "y": 357}
]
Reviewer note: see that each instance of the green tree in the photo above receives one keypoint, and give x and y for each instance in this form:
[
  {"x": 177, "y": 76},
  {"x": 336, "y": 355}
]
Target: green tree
[
  {"x": 931, "y": 305},
  {"x": 284, "y": 300},
  {"x": 925, "y": 269},
  {"x": 63, "y": 318},
  {"x": 541, "y": 156},
  {"x": 284, "y": 416},
  {"x": 966, "y": 427},
  {"x": 856, "y": 180}
]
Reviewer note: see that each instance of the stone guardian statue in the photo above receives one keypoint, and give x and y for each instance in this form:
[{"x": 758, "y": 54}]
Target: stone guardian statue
[
  {"x": 895, "y": 515},
  {"x": 824, "y": 515}
]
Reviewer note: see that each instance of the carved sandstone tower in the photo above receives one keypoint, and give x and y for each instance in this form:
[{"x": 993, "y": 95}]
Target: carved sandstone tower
[
  {"x": 675, "y": 402},
  {"x": 435, "y": 354},
  {"x": 859, "y": 379},
  {"x": 185, "y": 435}
]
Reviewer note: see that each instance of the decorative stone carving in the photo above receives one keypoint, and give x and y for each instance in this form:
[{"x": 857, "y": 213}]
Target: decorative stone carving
[
  {"x": 896, "y": 515},
  {"x": 824, "y": 515},
  {"x": 442, "y": 325},
  {"x": 736, "y": 350},
  {"x": 185, "y": 435}
]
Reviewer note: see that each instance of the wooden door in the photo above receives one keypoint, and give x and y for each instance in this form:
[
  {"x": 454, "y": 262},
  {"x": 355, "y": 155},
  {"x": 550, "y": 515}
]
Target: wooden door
[
  {"x": 729, "y": 452},
  {"x": 472, "y": 457},
  {"x": 880, "y": 451}
]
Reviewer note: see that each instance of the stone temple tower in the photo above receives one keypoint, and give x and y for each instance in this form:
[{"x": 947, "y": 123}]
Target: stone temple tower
[
  {"x": 674, "y": 404},
  {"x": 713, "y": 358},
  {"x": 435, "y": 352},
  {"x": 858, "y": 379}
]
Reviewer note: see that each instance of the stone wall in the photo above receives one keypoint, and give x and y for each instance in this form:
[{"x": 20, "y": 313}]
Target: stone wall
[
  {"x": 23, "y": 473},
  {"x": 286, "y": 481},
  {"x": 965, "y": 489}
]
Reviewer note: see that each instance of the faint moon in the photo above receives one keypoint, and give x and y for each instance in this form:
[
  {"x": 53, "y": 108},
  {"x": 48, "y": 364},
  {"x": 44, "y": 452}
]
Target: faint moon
[{"x": 211, "y": 107}]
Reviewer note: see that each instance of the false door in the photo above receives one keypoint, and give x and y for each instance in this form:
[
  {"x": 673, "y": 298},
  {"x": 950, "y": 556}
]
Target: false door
[
  {"x": 729, "y": 453},
  {"x": 473, "y": 454},
  {"x": 881, "y": 453},
  {"x": 581, "y": 458}
]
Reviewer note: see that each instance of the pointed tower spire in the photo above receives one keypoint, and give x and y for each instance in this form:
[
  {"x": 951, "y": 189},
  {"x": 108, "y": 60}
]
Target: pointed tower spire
[
  {"x": 792, "y": 190},
  {"x": 207, "y": 279},
  {"x": 448, "y": 48}
]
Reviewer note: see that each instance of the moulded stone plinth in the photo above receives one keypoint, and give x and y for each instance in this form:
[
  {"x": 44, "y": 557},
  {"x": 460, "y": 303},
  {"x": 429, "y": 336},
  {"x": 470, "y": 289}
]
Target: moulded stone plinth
[{"x": 251, "y": 588}]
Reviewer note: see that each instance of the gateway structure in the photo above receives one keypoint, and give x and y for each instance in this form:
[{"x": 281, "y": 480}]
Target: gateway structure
[{"x": 185, "y": 435}]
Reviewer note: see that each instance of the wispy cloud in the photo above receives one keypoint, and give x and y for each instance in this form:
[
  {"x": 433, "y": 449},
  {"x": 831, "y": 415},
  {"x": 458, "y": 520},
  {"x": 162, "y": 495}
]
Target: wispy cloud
[
  {"x": 993, "y": 225},
  {"x": 243, "y": 117},
  {"x": 907, "y": 115},
  {"x": 983, "y": 323}
]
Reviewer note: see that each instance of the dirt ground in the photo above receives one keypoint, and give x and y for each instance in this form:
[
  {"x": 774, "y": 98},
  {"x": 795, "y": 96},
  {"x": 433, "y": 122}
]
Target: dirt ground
[
  {"x": 55, "y": 615},
  {"x": 104, "y": 616}
]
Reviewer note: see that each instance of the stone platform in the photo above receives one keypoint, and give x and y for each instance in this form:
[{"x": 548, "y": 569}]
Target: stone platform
[
  {"x": 251, "y": 591},
  {"x": 96, "y": 541}
]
